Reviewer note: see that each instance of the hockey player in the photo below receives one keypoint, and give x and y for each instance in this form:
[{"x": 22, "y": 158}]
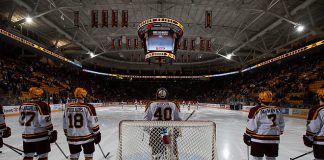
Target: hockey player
[
  {"x": 160, "y": 137},
  {"x": 80, "y": 124},
  {"x": 136, "y": 103},
  {"x": 38, "y": 133},
  {"x": 189, "y": 103},
  {"x": 5, "y": 131},
  {"x": 264, "y": 127},
  {"x": 315, "y": 128}
]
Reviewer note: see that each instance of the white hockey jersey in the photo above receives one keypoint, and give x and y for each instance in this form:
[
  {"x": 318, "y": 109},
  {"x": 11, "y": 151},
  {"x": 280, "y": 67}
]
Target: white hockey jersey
[
  {"x": 265, "y": 124},
  {"x": 35, "y": 118},
  {"x": 315, "y": 124},
  {"x": 162, "y": 111},
  {"x": 2, "y": 121},
  {"x": 80, "y": 123}
]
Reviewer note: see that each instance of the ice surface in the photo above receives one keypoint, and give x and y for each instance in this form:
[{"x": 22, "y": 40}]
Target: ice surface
[{"x": 230, "y": 128}]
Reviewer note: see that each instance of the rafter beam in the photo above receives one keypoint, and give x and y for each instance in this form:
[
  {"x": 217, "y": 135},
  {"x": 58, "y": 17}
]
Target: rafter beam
[{"x": 274, "y": 24}]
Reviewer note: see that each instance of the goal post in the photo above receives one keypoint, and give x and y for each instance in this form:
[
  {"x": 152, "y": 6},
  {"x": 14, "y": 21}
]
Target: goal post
[{"x": 187, "y": 140}]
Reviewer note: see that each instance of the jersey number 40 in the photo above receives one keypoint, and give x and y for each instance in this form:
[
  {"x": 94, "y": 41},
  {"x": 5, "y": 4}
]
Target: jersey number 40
[{"x": 163, "y": 114}]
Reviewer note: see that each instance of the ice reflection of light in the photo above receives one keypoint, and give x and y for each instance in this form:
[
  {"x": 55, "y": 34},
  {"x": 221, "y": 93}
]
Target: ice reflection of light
[{"x": 226, "y": 151}]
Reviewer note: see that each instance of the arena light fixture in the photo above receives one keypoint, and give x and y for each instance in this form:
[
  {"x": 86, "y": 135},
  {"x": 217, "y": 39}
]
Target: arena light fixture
[
  {"x": 229, "y": 56},
  {"x": 91, "y": 54},
  {"x": 29, "y": 19},
  {"x": 299, "y": 27}
]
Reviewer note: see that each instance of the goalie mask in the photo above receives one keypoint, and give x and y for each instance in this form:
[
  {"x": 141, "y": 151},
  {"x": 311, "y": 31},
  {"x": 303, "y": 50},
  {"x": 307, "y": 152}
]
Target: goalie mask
[{"x": 161, "y": 93}]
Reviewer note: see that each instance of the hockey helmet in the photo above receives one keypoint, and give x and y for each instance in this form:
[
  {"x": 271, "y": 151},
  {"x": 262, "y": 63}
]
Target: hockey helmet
[
  {"x": 320, "y": 93},
  {"x": 162, "y": 93},
  {"x": 265, "y": 96},
  {"x": 80, "y": 93},
  {"x": 35, "y": 92}
]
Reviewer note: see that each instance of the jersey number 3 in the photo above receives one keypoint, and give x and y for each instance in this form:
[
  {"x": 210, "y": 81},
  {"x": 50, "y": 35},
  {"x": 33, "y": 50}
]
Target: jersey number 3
[
  {"x": 163, "y": 115},
  {"x": 273, "y": 118}
]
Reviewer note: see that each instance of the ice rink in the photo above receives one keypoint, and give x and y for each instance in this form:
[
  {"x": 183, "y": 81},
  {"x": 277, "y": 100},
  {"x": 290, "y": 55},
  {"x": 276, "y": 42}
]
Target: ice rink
[{"x": 230, "y": 128}]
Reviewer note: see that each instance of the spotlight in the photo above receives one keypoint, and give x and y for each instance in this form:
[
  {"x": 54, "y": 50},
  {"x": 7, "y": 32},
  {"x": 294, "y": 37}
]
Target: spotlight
[
  {"x": 91, "y": 54},
  {"x": 29, "y": 19},
  {"x": 299, "y": 28},
  {"x": 229, "y": 56}
]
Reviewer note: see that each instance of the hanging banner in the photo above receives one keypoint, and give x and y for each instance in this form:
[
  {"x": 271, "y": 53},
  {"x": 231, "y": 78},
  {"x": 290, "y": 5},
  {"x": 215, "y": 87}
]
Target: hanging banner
[{"x": 104, "y": 18}]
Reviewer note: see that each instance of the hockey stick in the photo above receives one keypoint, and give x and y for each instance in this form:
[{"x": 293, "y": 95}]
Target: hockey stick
[
  {"x": 66, "y": 157},
  {"x": 14, "y": 149},
  {"x": 190, "y": 115},
  {"x": 248, "y": 151},
  {"x": 105, "y": 156},
  {"x": 302, "y": 155}
]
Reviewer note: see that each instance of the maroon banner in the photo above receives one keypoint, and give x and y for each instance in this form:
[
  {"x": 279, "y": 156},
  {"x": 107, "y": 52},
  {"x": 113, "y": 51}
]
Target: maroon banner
[
  {"x": 208, "y": 45},
  {"x": 94, "y": 18},
  {"x": 185, "y": 44},
  {"x": 192, "y": 45},
  {"x": 114, "y": 18},
  {"x": 208, "y": 19},
  {"x": 125, "y": 18},
  {"x": 135, "y": 43},
  {"x": 202, "y": 44},
  {"x": 127, "y": 43},
  {"x": 113, "y": 44},
  {"x": 104, "y": 18},
  {"x": 76, "y": 19}
]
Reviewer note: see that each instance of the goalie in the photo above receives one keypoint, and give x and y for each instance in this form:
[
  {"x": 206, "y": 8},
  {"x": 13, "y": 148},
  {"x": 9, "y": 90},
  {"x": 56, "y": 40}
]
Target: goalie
[{"x": 163, "y": 140}]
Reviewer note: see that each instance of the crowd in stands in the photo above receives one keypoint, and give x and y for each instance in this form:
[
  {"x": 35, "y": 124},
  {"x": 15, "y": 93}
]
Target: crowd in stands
[{"x": 293, "y": 83}]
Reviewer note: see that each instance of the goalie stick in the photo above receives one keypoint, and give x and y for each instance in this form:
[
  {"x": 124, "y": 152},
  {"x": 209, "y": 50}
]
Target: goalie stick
[
  {"x": 190, "y": 115},
  {"x": 302, "y": 155}
]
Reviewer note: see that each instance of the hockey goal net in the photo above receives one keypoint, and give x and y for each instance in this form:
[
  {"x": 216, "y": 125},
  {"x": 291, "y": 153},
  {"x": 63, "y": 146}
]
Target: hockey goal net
[{"x": 167, "y": 140}]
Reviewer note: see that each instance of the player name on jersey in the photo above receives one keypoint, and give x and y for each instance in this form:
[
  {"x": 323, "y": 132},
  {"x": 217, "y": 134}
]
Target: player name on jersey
[
  {"x": 270, "y": 110},
  {"x": 74, "y": 109},
  {"x": 28, "y": 108}
]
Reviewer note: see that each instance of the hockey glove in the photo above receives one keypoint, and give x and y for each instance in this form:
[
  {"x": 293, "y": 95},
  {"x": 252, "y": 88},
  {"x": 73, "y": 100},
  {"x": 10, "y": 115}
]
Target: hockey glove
[
  {"x": 6, "y": 133},
  {"x": 308, "y": 141},
  {"x": 52, "y": 136},
  {"x": 97, "y": 138},
  {"x": 1, "y": 142},
  {"x": 247, "y": 139}
]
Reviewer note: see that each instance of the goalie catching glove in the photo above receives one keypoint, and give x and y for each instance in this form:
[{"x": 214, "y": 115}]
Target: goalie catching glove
[
  {"x": 247, "y": 139},
  {"x": 97, "y": 138},
  {"x": 308, "y": 141},
  {"x": 52, "y": 137}
]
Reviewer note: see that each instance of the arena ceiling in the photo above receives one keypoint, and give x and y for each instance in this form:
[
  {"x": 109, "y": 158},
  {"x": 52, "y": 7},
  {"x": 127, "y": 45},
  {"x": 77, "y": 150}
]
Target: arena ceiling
[{"x": 249, "y": 30}]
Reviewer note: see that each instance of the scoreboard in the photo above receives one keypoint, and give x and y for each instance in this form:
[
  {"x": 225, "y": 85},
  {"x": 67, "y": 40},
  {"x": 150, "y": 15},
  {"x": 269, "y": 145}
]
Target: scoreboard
[{"x": 161, "y": 37}]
